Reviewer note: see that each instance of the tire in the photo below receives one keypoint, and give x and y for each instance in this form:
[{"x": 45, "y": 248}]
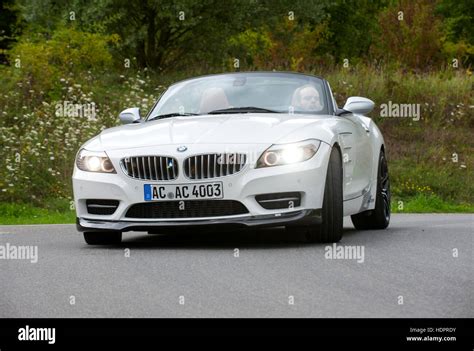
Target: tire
[
  {"x": 379, "y": 217},
  {"x": 103, "y": 238},
  {"x": 331, "y": 228}
]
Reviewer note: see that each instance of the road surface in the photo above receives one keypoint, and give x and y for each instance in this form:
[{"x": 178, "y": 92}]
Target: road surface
[{"x": 422, "y": 266}]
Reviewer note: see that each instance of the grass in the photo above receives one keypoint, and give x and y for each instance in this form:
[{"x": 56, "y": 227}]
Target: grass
[
  {"x": 13, "y": 213},
  {"x": 58, "y": 212},
  {"x": 424, "y": 203}
]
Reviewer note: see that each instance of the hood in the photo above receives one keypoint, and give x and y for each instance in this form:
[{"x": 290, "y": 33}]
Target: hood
[{"x": 249, "y": 128}]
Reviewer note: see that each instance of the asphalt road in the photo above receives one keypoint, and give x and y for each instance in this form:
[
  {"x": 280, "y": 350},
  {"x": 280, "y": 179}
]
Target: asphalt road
[{"x": 414, "y": 261}]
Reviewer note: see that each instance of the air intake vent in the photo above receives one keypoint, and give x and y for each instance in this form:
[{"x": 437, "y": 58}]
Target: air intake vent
[
  {"x": 191, "y": 209},
  {"x": 101, "y": 207},
  {"x": 150, "y": 167},
  {"x": 213, "y": 165}
]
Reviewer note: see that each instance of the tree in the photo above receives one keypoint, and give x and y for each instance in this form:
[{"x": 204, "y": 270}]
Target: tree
[
  {"x": 11, "y": 25},
  {"x": 410, "y": 35},
  {"x": 458, "y": 24},
  {"x": 352, "y": 26},
  {"x": 170, "y": 33}
]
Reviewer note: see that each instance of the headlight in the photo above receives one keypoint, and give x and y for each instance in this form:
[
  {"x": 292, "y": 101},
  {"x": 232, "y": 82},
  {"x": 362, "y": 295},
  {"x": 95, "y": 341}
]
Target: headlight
[
  {"x": 285, "y": 154},
  {"x": 94, "y": 161}
]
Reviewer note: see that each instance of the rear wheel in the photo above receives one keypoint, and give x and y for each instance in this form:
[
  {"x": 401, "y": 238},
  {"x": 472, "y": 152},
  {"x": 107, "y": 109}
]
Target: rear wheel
[
  {"x": 103, "y": 238},
  {"x": 379, "y": 217},
  {"x": 330, "y": 230}
]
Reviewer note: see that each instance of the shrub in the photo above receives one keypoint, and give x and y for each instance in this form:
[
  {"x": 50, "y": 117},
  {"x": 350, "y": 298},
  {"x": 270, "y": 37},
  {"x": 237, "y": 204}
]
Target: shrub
[
  {"x": 38, "y": 140},
  {"x": 410, "y": 35},
  {"x": 38, "y": 64},
  {"x": 286, "y": 46}
]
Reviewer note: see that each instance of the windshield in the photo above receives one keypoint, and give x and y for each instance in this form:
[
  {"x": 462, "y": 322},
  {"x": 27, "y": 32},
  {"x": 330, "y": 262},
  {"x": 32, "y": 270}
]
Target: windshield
[{"x": 242, "y": 93}]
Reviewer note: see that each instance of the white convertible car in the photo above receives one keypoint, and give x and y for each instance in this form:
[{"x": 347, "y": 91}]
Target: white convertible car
[{"x": 239, "y": 149}]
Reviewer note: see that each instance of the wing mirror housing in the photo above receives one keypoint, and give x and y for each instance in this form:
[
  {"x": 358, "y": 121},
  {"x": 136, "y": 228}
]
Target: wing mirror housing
[
  {"x": 130, "y": 115},
  {"x": 358, "y": 105}
]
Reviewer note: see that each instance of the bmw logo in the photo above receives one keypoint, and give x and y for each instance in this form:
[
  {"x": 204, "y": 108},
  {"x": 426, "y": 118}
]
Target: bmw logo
[{"x": 182, "y": 148}]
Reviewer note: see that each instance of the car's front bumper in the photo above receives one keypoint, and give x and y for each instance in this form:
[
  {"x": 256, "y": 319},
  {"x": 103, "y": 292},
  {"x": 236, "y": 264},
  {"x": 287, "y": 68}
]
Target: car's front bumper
[
  {"x": 296, "y": 218},
  {"x": 307, "y": 178}
]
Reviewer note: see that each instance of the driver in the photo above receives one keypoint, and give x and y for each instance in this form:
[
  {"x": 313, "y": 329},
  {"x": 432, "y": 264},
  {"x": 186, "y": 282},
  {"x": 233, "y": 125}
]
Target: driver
[
  {"x": 307, "y": 98},
  {"x": 213, "y": 99}
]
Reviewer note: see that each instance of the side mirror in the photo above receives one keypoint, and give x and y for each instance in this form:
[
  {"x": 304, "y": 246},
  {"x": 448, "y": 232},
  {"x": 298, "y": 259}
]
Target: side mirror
[
  {"x": 359, "y": 105},
  {"x": 130, "y": 115}
]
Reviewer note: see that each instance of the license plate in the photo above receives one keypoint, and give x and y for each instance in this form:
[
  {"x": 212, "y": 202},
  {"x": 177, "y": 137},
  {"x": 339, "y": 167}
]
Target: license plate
[{"x": 154, "y": 192}]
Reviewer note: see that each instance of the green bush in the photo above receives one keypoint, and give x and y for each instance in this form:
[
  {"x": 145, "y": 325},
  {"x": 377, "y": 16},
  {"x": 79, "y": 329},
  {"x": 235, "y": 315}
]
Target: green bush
[
  {"x": 285, "y": 46},
  {"x": 38, "y": 63},
  {"x": 39, "y": 136}
]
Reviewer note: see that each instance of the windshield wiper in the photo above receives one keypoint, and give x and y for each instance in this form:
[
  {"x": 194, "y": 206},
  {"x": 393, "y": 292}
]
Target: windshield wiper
[
  {"x": 248, "y": 109},
  {"x": 174, "y": 114}
]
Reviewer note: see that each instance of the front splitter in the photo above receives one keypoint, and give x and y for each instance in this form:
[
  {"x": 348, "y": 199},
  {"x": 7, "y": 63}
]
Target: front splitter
[{"x": 295, "y": 218}]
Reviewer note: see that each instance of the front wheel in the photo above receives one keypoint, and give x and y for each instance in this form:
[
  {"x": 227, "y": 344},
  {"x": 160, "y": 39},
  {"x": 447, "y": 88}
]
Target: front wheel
[
  {"x": 103, "y": 238},
  {"x": 379, "y": 217},
  {"x": 331, "y": 228}
]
